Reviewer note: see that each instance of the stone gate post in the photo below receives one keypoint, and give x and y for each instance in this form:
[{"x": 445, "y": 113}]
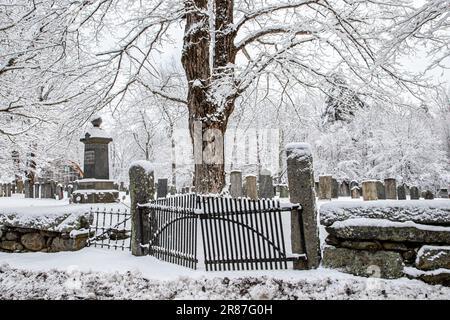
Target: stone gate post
[
  {"x": 142, "y": 190},
  {"x": 301, "y": 189}
]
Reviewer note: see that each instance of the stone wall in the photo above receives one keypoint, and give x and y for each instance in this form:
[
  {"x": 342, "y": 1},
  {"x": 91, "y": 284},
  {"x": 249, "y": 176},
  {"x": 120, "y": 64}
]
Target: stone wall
[
  {"x": 389, "y": 241},
  {"x": 16, "y": 239}
]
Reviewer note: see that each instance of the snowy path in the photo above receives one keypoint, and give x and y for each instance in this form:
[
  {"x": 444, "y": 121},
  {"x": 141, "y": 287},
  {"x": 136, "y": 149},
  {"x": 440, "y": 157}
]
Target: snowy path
[{"x": 94, "y": 273}]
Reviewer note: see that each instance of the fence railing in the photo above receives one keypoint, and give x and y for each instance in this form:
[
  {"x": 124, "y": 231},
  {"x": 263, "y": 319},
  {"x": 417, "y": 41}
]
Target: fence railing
[
  {"x": 236, "y": 234},
  {"x": 110, "y": 229}
]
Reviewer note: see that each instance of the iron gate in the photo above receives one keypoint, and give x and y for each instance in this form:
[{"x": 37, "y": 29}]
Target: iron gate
[
  {"x": 236, "y": 234},
  {"x": 110, "y": 229}
]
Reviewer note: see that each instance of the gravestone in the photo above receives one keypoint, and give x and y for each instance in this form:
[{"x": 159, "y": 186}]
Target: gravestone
[
  {"x": 122, "y": 186},
  {"x": 380, "y": 190},
  {"x": 52, "y": 189},
  {"x": 266, "y": 190},
  {"x": 325, "y": 187},
  {"x": 369, "y": 190},
  {"x": 334, "y": 188},
  {"x": 27, "y": 188},
  {"x": 354, "y": 183},
  {"x": 13, "y": 188},
  {"x": 428, "y": 195},
  {"x": 1, "y": 190},
  {"x": 443, "y": 193},
  {"x": 19, "y": 186},
  {"x": 301, "y": 188},
  {"x": 95, "y": 187},
  {"x": 390, "y": 186},
  {"x": 355, "y": 192},
  {"x": 8, "y": 190},
  {"x": 36, "y": 190},
  {"x": 401, "y": 192},
  {"x": 60, "y": 191},
  {"x": 162, "y": 189},
  {"x": 173, "y": 190},
  {"x": 414, "y": 193},
  {"x": 344, "y": 189},
  {"x": 236, "y": 184},
  {"x": 250, "y": 186}
]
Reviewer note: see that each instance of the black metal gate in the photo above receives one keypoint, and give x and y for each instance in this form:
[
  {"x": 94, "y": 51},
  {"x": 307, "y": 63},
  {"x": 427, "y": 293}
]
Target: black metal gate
[
  {"x": 110, "y": 229},
  {"x": 236, "y": 234}
]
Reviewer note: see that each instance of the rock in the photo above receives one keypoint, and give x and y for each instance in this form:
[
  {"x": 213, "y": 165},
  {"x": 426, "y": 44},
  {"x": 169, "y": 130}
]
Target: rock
[
  {"x": 10, "y": 245},
  {"x": 361, "y": 245},
  {"x": 396, "y": 232},
  {"x": 11, "y": 236},
  {"x": 395, "y": 246},
  {"x": 384, "y": 264},
  {"x": 435, "y": 212},
  {"x": 61, "y": 244},
  {"x": 433, "y": 257},
  {"x": 409, "y": 256},
  {"x": 33, "y": 241},
  {"x": 441, "y": 277}
]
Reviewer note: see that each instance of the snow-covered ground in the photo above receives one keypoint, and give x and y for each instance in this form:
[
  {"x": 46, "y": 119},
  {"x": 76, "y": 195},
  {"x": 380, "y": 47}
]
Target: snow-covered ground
[{"x": 94, "y": 273}]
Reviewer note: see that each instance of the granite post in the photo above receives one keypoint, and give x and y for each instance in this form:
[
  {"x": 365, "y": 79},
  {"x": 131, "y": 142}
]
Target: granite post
[
  {"x": 141, "y": 192},
  {"x": 325, "y": 187},
  {"x": 266, "y": 190},
  {"x": 369, "y": 190},
  {"x": 301, "y": 188}
]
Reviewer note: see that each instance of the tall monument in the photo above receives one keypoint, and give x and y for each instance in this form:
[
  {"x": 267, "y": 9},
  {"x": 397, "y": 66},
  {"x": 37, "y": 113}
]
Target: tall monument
[{"x": 95, "y": 187}]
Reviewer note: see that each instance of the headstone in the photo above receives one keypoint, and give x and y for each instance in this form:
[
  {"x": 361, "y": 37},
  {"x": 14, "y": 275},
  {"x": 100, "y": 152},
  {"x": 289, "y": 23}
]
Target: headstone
[
  {"x": 250, "y": 185},
  {"x": 266, "y": 190},
  {"x": 390, "y": 186},
  {"x": 173, "y": 190},
  {"x": 122, "y": 186},
  {"x": 428, "y": 195},
  {"x": 13, "y": 188},
  {"x": 354, "y": 183},
  {"x": 19, "y": 186},
  {"x": 325, "y": 187},
  {"x": 141, "y": 191},
  {"x": 380, "y": 190},
  {"x": 47, "y": 188},
  {"x": 60, "y": 191},
  {"x": 414, "y": 193},
  {"x": 162, "y": 189},
  {"x": 1, "y": 190},
  {"x": 52, "y": 189},
  {"x": 69, "y": 191},
  {"x": 443, "y": 193},
  {"x": 334, "y": 188},
  {"x": 369, "y": 190},
  {"x": 36, "y": 190},
  {"x": 236, "y": 184},
  {"x": 355, "y": 192},
  {"x": 96, "y": 158},
  {"x": 401, "y": 192},
  {"x": 27, "y": 188},
  {"x": 301, "y": 188},
  {"x": 344, "y": 189},
  {"x": 8, "y": 190}
]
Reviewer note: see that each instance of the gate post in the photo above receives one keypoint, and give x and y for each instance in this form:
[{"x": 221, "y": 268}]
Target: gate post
[
  {"x": 301, "y": 190},
  {"x": 141, "y": 191}
]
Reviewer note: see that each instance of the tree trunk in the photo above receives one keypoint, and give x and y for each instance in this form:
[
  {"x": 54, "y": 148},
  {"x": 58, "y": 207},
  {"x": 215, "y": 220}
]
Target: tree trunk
[{"x": 206, "y": 59}]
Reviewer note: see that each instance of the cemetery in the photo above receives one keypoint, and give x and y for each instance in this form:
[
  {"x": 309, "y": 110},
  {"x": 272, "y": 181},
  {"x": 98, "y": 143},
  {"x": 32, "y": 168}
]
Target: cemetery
[{"x": 224, "y": 149}]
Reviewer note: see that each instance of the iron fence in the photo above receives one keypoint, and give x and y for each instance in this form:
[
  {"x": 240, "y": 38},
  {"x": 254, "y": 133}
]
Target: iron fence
[
  {"x": 236, "y": 234},
  {"x": 110, "y": 229}
]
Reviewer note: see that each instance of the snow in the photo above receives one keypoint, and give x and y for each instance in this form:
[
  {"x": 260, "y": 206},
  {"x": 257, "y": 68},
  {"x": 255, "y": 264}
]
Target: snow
[
  {"x": 419, "y": 211},
  {"x": 47, "y": 214},
  {"x": 383, "y": 223},
  {"x": 95, "y": 132},
  {"x": 146, "y": 165},
  {"x": 95, "y": 273},
  {"x": 417, "y": 273},
  {"x": 299, "y": 149}
]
